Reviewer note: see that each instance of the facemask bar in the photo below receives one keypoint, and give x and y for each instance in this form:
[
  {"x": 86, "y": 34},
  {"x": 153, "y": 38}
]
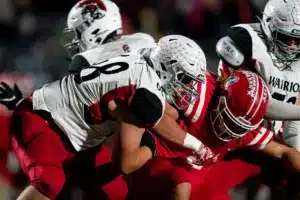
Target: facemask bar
[
  {"x": 284, "y": 53},
  {"x": 224, "y": 133},
  {"x": 71, "y": 42},
  {"x": 288, "y": 50},
  {"x": 231, "y": 127},
  {"x": 183, "y": 94}
]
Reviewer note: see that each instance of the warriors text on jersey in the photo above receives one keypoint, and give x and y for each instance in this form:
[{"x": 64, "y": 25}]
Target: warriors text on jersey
[
  {"x": 128, "y": 43},
  {"x": 198, "y": 124},
  {"x": 78, "y": 102}
]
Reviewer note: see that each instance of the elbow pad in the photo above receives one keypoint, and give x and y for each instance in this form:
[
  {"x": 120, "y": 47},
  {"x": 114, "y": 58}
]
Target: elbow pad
[
  {"x": 148, "y": 141},
  {"x": 229, "y": 53}
]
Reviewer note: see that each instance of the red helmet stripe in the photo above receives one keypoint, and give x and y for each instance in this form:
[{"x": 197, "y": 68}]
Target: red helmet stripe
[{"x": 99, "y": 3}]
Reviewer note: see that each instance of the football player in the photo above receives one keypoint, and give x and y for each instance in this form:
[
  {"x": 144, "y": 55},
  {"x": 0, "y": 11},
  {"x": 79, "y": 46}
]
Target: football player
[
  {"x": 95, "y": 28},
  {"x": 224, "y": 118},
  {"x": 72, "y": 116},
  {"x": 85, "y": 20},
  {"x": 180, "y": 56},
  {"x": 94, "y": 33},
  {"x": 270, "y": 48}
]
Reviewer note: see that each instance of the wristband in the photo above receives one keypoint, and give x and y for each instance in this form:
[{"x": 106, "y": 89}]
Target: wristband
[{"x": 192, "y": 143}]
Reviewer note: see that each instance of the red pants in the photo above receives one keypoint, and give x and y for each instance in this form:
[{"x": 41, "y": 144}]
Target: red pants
[
  {"x": 4, "y": 148},
  {"x": 48, "y": 159},
  {"x": 157, "y": 179}
]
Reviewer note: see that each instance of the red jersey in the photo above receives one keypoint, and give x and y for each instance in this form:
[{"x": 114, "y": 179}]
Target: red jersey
[{"x": 197, "y": 123}]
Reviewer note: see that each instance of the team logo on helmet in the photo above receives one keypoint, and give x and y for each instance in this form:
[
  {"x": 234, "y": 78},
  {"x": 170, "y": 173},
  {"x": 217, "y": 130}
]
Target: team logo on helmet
[
  {"x": 231, "y": 80},
  {"x": 92, "y": 4},
  {"x": 92, "y": 9}
]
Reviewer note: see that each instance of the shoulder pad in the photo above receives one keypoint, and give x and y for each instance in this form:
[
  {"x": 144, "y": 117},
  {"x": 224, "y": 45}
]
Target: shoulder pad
[
  {"x": 145, "y": 36},
  {"x": 78, "y": 63}
]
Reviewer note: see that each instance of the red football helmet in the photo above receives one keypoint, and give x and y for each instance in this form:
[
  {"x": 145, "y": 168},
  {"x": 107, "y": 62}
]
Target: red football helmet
[{"x": 241, "y": 105}]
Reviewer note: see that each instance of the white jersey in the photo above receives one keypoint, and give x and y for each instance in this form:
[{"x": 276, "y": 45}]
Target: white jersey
[
  {"x": 283, "y": 84},
  {"x": 78, "y": 102},
  {"x": 127, "y": 43}
]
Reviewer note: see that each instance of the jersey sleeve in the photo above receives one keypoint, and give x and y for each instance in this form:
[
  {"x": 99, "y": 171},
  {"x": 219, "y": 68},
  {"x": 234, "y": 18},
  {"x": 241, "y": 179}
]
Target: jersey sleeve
[
  {"x": 243, "y": 42},
  {"x": 291, "y": 130},
  {"x": 78, "y": 63},
  {"x": 248, "y": 41},
  {"x": 242, "y": 39},
  {"x": 146, "y": 38},
  {"x": 147, "y": 107},
  {"x": 259, "y": 137},
  {"x": 148, "y": 101}
]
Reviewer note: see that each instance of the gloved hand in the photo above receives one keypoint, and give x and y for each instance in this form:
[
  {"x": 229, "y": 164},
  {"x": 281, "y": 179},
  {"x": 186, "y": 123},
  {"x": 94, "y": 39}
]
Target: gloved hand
[
  {"x": 9, "y": 97},
  {"x": 203, "y": 157}
]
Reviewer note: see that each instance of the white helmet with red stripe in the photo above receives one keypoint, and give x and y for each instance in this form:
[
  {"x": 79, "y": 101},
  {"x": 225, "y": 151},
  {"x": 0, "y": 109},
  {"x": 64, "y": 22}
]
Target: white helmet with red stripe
[
  {"x": 91, "y": 23},
  {"x": 180, "y": 63},
  {"x": 241, "y": 105}
]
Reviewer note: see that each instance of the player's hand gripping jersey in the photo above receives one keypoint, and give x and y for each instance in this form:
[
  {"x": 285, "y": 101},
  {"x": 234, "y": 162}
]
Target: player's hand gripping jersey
[
  {"x": 198, "y": 124},
  {"x": 78, "y": 103},
  {"x": 127, "y": 43}
]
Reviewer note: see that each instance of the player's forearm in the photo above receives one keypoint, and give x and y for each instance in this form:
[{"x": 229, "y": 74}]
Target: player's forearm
[
  {"x": 278, "y": 110},
  {"x": 132, "y": 161},
  {"x": 275, "y": 149},
  {"x": 281, "y": 151},
  {"x": 292, "y": 156},
  {"x": 171, "y": 131}
]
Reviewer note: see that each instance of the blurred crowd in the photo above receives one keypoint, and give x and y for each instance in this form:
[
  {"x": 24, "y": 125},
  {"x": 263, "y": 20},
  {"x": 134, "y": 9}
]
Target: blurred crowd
[
  {"x": 31, "y": 30},
  {"x": 31, "y": 52}
]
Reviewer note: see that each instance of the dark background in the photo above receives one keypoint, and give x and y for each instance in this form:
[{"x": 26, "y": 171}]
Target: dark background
[{"x": 31, "y": 53}]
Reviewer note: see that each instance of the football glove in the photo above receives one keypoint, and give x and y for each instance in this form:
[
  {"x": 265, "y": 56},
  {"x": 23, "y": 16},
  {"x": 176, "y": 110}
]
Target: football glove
[{"x": 9, "y": 97}]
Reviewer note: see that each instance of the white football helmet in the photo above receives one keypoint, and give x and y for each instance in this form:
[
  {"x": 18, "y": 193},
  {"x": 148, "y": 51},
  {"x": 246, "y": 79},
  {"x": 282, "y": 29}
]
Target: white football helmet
[
  {"x": 281, "y": 25},
  {"x": 180, "y": 63},
  {"x": 91, "y": 23}
]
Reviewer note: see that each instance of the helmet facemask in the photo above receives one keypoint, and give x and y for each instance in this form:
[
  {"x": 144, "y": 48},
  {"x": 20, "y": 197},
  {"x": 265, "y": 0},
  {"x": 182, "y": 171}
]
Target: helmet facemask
[
  {"x": 285, "y": 47},
  {"x": 181, "y": 89},
  {"x": 180, "y": 63},
  {"x": 226, "y": 126},
  {"x": 281, "y": 26},
  {"x": 72, "y": 42}
]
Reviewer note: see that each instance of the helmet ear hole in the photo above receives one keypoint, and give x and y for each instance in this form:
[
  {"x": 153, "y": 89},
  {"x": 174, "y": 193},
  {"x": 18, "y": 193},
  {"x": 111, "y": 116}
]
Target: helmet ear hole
[
  {"x": 78, "y": 34},
  {"x": 171, "y": 62},
  {"x": 163, "y": 67},
  {"x": 268, "y": 19}
]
